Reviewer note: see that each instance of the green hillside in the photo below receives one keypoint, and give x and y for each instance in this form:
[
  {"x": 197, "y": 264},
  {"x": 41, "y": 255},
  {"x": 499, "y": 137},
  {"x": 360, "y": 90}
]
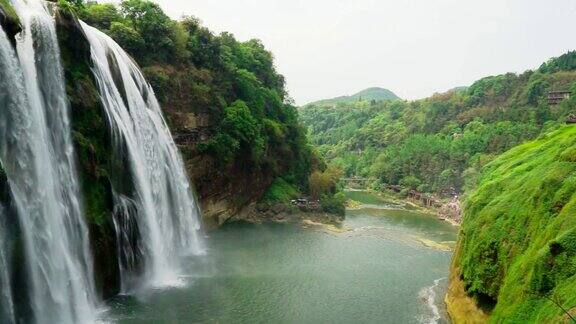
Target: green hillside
[
  {"x": 370, "y": 94},
  {"x": 518, "y": 240},
  {"x": 439, "y": 144}
]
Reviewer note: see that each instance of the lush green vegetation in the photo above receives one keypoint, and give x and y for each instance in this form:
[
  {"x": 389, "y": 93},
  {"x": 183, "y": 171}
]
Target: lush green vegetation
[
  {"x": 440, "y": 144},
  {"x": 252, "y": 126},
  {"x": 281, "y": 191},
  {"x": 325, "y": 186},
  {"x": 518, "y": 239},
  {"x": 193, "y": 70},
  {"x": 370, "y": 94},
  {"x": 8, "y": 10}
]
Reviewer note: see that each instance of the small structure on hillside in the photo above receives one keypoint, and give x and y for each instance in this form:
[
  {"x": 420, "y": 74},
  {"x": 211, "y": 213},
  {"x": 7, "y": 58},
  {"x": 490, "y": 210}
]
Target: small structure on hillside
[
  {"x": 555, "y": 97},
  {"x": 307, "y": 205},
  {"x": 571, "y": 119}
]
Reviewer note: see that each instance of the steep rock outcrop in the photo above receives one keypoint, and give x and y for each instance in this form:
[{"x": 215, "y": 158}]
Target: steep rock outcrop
[{"x": 94, "y": 153}]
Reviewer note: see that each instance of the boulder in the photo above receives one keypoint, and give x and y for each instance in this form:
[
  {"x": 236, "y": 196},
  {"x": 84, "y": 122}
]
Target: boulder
[{"x": 278, "y": 208}]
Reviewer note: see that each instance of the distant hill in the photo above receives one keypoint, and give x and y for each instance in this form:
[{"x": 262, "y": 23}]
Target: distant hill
[
  {"x": 457, "y": 89},
  {"x": 377, "y": 94}
]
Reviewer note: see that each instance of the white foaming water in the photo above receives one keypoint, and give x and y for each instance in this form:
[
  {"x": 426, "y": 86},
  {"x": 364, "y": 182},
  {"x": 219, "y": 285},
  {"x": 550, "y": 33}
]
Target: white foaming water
[
  {"x": 167, "y": 214},
  {"x": 428, "y": 295},
  {"x": 37, "y": 154}
]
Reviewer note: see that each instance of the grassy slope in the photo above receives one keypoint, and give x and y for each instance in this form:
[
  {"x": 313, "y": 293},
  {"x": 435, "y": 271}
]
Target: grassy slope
[{"x": 518, "y": 240}]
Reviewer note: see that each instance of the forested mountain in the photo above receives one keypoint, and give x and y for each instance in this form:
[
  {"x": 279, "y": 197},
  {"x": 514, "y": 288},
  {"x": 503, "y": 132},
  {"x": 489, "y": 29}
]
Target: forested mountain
[
  {"x": 439, "y": 144},
  {"x": 370, "y": 94}
]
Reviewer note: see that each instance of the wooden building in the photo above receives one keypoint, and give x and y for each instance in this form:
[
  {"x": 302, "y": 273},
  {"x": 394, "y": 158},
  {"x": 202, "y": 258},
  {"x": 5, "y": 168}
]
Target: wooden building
[{"x": 555, "y": 97}]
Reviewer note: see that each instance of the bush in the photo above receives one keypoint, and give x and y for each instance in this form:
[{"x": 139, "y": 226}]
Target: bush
[
  {"x": 127, "y": 37},
  {"x": 334, "y": 204},
  {"x": 281, "y": 191},
  {"x": 223, "y": 146},
  {"x": 101, "y": 16},
  {"x": 324, "y": 182}
]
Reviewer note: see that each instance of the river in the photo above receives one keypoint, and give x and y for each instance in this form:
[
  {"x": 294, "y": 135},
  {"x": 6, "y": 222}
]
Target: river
[{"x": 390, "y": 266}]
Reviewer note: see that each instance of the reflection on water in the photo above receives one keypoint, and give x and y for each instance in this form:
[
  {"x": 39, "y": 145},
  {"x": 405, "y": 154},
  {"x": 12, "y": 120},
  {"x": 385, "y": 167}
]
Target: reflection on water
[{"x": 376, "y": 272}]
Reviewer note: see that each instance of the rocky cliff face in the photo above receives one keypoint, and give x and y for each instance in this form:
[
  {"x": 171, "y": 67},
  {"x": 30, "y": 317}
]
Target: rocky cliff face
[
  {"x": 224, "y": 192},
  {"x": 92, "y": 141}
]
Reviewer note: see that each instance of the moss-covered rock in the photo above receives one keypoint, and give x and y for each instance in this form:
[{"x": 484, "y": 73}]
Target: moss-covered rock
[
  {"x": 9, "y": 19},
  {"x": 94, "y": 152}
]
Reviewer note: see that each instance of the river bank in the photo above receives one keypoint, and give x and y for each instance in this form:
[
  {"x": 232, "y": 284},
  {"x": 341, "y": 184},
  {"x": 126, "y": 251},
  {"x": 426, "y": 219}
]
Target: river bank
[{"x": 267, "y": 212}]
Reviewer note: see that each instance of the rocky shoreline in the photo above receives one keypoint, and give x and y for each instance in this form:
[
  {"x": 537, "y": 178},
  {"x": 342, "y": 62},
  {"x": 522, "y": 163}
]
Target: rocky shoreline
[
  {"x": 447, "y": 210},
  {"x": 284, "y": 213}
]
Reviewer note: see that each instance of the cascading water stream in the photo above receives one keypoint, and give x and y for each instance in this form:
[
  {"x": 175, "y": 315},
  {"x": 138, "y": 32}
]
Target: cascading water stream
[
  {"x": 7, "y": 58},
  {"x": 37, "y": 154},
  {"x": 167, "y": 214}
]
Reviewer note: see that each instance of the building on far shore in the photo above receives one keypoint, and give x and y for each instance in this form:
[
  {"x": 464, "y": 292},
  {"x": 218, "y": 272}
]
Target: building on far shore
[{"x": 555, "y": 97}]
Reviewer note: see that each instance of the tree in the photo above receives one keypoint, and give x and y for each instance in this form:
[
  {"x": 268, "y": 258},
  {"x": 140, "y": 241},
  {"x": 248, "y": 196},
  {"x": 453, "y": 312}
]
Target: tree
[
  {"x": 127, "y": 37},
  {"x": 101, "y": 16},
  {"x": 323, "y": 183},
  {"x": 155, "y": 27},
  {"x": 535, "y": 91},
  {"x": 241, "y": 125}
]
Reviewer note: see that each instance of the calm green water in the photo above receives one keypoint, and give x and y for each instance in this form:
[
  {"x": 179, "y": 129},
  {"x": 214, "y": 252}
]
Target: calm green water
[{"x": 377, "y": 272}]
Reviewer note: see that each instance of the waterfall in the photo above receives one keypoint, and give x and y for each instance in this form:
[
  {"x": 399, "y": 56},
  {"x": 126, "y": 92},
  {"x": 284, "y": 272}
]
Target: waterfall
[
  {"x": 6, "y": 302},
  {"x": 37, "y": 154},
  {"x": 7, "y": 62},
  {"x": 166, "y": 212}
]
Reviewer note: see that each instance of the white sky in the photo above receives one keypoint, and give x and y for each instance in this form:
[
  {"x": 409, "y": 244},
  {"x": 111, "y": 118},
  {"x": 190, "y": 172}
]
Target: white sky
[{"x": 327, "y": 48}]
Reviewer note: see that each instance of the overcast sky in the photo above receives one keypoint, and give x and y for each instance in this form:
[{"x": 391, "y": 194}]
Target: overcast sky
[{"x": 327, "y": 48}]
